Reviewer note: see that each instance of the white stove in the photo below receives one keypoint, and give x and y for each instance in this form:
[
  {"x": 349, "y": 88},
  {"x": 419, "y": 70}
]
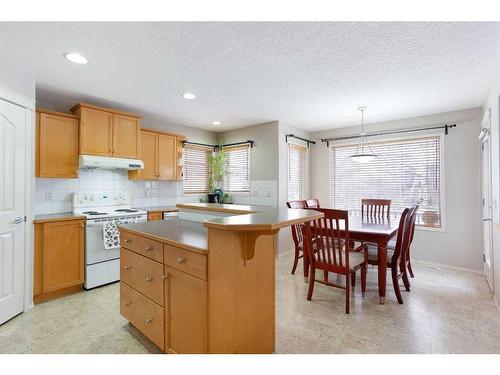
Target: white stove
[{"x": 102, "y": 265}]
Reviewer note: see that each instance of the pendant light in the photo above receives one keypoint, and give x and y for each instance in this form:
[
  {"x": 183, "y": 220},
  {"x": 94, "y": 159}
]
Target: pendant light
[{"x": 364, "y": 152}]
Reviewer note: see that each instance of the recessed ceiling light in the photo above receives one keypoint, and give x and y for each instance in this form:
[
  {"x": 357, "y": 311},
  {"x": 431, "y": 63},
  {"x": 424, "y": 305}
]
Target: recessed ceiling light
[
  {"x": 76, "y": 58},
  {"x": 215, "y": 122},
  {"x": 188, "y": 95}
]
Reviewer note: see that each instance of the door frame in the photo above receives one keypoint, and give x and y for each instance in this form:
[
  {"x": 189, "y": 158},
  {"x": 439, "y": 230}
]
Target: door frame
[{"x": 29, "y": 106}]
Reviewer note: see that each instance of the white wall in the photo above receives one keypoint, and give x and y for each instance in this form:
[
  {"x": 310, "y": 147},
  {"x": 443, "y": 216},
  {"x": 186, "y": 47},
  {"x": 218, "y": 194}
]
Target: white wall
[
  {"x": 492, "y": 103},
  {"x": 460, "y": 245}
]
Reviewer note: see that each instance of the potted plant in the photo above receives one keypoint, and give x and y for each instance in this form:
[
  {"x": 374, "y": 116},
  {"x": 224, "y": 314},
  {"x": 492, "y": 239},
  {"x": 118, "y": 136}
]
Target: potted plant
[{"x": 217, "y": 163}]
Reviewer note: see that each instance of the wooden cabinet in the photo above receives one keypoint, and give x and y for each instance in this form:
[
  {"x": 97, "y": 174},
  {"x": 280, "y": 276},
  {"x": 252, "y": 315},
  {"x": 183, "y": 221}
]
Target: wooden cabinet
[
  {"x": 155, "y": 216},
  {"x": 56, "y": 145},
  {"x": 159, "y": 152},
  {"x": 186, "y": 313},
  {"x": 59, "y": 258},
  {"x": 108, "y": 132}
]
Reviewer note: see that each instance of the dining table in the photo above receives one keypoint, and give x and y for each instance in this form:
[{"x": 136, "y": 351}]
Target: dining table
[{"x": 376, "y": 230}]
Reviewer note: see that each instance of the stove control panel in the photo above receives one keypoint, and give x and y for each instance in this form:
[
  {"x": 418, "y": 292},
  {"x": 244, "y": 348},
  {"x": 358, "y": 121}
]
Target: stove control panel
[{"x": 115, "y": 198}]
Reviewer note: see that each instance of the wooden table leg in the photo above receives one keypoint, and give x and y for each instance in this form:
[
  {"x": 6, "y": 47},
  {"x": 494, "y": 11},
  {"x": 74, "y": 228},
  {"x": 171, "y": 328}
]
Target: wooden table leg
[
  {"x": 382, "y": 268},
  {"x": 305, "y": 261}
]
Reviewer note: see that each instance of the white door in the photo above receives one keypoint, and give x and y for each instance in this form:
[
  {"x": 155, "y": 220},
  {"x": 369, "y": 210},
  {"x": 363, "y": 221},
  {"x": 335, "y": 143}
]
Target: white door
[
  {"x": 12, "y": 208},
  {"x": 486, "y": 199}
]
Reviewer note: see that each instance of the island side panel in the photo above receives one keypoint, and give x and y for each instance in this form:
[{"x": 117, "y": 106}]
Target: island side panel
[{"x": 241, "y": 297}]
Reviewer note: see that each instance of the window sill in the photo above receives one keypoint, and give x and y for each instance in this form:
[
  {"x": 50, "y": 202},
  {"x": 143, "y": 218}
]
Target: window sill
[{"x": 441, "y": 229}]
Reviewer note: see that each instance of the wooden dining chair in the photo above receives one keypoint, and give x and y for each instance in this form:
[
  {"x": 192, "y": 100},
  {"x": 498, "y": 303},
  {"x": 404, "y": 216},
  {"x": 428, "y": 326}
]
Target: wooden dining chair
[
  {"x": 375, "y": 208},
  {"x": 396, "y": 257},
  {"x": 413, "y": 220},
  {"x": 297, "y": 236},
  {"x": 312, "y": 203},
  {"x": 326, "y": 243}
]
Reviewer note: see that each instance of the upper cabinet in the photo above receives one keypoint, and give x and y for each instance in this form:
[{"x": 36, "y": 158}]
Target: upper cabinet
[
  {"x": 56, "y": 144},
  {"x": 161, "y": 157},
  {"x": 108, "y": 132}
]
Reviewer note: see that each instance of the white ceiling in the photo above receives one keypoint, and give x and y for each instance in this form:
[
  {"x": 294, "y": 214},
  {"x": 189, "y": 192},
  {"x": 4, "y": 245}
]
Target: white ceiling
[{"x": 311, "y": 75}]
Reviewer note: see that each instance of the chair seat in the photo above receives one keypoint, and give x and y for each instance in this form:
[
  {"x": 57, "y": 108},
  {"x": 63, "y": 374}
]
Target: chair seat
[
  {"x": 355, "y": 259},
  {"x": 373, "y": 253},
  {"x": 390, "y": 245}
]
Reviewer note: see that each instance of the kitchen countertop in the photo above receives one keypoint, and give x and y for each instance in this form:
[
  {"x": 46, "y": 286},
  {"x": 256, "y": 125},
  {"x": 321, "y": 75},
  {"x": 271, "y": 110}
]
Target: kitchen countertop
[
  {"x": 189, "y": 234},
  {"x": 158, "y": 209},
  {"x": 64, "y": 216}
]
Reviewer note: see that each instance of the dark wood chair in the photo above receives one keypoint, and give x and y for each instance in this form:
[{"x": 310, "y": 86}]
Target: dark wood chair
[
  {"x": 326, "y": 243},
  {"x": 312, "y": 203},
  {"x": 297, "y": 236},
  {"x": 375, "y": 208},
  {"x": 412, "y": 230},
  {"x": 396, "y": 257}
]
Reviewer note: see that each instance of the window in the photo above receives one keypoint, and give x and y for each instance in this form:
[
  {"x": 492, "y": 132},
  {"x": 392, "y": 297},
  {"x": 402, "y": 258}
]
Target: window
[
  {"x": 406, "y": 171},
  {"x": 196, "y": 169},
  {"x": 296, "y": 172},
  {"x": 237, "y": 178}
]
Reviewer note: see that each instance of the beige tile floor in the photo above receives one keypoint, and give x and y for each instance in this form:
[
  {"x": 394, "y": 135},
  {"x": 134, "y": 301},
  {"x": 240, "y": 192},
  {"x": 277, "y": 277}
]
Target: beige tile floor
[{"x": 446, "y": 312}]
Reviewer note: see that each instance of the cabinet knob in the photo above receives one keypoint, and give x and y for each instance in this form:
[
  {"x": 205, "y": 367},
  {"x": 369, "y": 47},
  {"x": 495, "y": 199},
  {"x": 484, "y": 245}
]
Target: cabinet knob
[
  {"x": 149, "y": 279},
  {"x": 149, "y": 248},
  {"x": 82, "y": 225},
  {"x": 127, "y": 268},
  {"x": 164, "y": 277},
  {"x": 128, "y": 241},
  {"x": 181, "y": 260},
  {"x": 148, "y": 320},
  {"x": 127, "y": 303}
]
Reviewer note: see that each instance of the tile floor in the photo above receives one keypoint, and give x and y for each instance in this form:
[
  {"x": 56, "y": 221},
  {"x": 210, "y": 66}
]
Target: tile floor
[{"x": 446, "y": 312}]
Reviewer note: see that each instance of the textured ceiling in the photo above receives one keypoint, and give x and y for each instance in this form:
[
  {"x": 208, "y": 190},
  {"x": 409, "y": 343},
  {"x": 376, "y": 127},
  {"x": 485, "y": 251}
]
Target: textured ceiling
[{"x": 311, "y": 75}]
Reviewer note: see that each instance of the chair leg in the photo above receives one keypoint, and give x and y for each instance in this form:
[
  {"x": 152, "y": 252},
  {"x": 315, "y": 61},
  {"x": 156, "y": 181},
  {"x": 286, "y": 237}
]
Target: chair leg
[
  {"x": 410, "y": 270},
  {"x": 404, "y": 271},
  {"x": 295, "y": 260},
  {"x": 395, "y": 283},
  {"x": 353, "y": 280},
  {"x": 305, "y": 264},
  {"x": 347, "y": 293},
  {"x": 363, "y": 279},
  {"x": 312, "y": 277}
]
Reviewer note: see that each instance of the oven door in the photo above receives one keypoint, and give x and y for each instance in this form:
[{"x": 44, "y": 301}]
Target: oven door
[{"x": 94, "y": 244}]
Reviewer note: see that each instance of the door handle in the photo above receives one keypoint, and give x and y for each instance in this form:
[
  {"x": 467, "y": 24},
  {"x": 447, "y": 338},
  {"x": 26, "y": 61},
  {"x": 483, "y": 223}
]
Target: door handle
[
  {"x": 19, "y": 220},
  {"x": 486, "y": 219}
]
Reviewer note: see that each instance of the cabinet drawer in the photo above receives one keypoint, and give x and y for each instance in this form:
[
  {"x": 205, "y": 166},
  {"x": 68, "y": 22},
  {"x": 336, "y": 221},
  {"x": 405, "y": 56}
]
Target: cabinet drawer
[
  {"x": 144, "y": 314},
  {"x": 155, "y": 216},
  {"x": 187, "y": 261},
  {"x": 142, "y": 274},
  {"x": 142, "y": 245}
]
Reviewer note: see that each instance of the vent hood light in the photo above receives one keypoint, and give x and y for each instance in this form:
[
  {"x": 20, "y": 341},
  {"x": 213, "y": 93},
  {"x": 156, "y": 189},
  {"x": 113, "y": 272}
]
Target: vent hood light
[
  {"x": 76, "y": 58},
  {"x": 105, "y": 162},
  {"x": 215, "y": 122}
]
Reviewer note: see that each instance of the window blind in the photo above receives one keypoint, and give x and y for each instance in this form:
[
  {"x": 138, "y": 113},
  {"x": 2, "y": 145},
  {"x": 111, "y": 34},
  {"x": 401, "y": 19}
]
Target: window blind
[
  {"x": 196, "y": 168},
  {"x": 237, "y": 178},
  {"x": 296, "y": 172},
  {"x": 405, "y": 171}
]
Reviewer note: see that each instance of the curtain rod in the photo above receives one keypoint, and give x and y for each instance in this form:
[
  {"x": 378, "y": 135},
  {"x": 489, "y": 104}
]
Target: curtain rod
[
  {"x": 446, "y": 127},
  {"x": 302, "y": 139},
  {"x": 215, "y": 147}
]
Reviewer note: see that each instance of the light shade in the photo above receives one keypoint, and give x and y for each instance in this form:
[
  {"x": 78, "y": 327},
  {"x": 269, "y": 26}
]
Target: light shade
[{"x": 363, "y": 158}]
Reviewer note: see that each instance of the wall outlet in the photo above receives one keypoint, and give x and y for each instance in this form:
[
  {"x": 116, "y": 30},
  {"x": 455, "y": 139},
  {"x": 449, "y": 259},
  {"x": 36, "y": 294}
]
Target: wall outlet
[{"x": 48, "y": 195}]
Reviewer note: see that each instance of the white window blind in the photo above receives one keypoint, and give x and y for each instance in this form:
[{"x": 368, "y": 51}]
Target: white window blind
[
  {"x": 405, "y": 171},
  {"x": 196, "y": 168},
  {"x": 296, "y": 172},
  {"x": 237, "y": 178}
]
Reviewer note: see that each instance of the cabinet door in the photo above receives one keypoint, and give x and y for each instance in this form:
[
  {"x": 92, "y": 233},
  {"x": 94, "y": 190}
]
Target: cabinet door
[
  {"x": 58, "y": 146},
  {"x": 63, "y": 262},
  {"x": 96, "y": 132},
  {"x": 167, "y": 157},
  {"x": 38, "y": 261},
  {"x": 149, "y": 146},
  {"x": 126, "y": 137},
  {"x": 186, "y": 313}
]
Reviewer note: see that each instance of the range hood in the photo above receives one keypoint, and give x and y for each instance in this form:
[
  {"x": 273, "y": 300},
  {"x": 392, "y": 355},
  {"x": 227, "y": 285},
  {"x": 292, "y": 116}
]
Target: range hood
[{"x": 106, "y": 162}]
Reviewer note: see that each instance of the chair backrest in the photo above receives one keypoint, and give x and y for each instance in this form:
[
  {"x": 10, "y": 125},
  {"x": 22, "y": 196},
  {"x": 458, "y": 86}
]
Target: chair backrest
[
  {"x": 296, "y": 228},
  {"x": 330, "y": 236},
  {"x": 378, "y": 208},
  {"x": 312, "y": 203},
  {"x": 403, "y": 237},
  {"x": 413, "y": 221},
  {"x": 296, "y": 204}
]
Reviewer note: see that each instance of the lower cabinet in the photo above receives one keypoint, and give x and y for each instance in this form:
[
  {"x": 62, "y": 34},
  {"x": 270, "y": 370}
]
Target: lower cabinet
[
  {"x": 59, "y": 258},
  {"x": 155, "y": 216},
  {"x": 186, "y": 313}
]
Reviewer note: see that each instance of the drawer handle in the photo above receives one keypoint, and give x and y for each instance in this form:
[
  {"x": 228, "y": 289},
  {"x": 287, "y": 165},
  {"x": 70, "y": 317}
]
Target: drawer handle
[
  {"x": 149, "y": 248},
  {"x": 127, "y": 268},
  {"x": 127, "y": 303},
  {"x": 149, "y": 279},
  {"x": 148, "y": 320},
  {"x": 164, "y": 277},
  {"x": 128, "y": 241},
  {"x": 181, "y": 260}
]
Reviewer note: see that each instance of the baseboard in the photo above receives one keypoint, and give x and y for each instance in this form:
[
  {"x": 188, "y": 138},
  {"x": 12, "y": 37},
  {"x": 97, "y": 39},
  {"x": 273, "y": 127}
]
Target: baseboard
[{"x": 447, "y": 266}]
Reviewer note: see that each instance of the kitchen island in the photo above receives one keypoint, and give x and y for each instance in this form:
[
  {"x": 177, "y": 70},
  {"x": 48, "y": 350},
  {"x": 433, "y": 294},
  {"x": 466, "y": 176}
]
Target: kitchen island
[{"x": 205, "y": 283}]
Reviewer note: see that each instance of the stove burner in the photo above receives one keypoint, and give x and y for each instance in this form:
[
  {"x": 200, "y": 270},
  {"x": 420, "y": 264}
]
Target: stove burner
[
  {"x": 125, "y": 210},
  {"x": 92, "y": 213}
]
